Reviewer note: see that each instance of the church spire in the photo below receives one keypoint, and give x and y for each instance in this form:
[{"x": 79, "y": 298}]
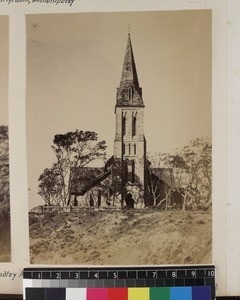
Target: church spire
[
  {"x": 129, "y": 93},
  {"x": 129, "y": 72}
]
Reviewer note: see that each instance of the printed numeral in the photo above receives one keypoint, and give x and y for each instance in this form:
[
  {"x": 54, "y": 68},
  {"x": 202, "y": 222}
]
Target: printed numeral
[{"x": 211, "y": 273}]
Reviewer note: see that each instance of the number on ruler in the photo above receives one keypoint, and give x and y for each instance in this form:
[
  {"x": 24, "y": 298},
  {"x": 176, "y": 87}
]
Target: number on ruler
[
  {"x": 154, "y": 274},
  {"x": 174, "y": 274},
  {"x": 115, "y": 275},
  {"x": 95, "y": 275},
  {"x": 210, "y": 273},
  {"x": 58, "y": 275},
  {"x": 193, "y": 273},
  {"x": 76, "y": 275}
]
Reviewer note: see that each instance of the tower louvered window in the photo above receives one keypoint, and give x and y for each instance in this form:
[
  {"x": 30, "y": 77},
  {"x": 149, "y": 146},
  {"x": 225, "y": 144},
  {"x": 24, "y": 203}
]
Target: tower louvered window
[{"x": 130, "y": 93}]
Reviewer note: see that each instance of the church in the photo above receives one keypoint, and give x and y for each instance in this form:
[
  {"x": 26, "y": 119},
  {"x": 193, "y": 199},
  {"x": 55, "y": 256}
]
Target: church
[{"x": 127, "y": 178}]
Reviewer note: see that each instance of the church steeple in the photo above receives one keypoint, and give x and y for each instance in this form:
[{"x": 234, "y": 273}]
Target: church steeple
[
  {"x": 129, "y": 142},
  {"x": 129, "y": 72},
  {"x": 129, "y": 93}
]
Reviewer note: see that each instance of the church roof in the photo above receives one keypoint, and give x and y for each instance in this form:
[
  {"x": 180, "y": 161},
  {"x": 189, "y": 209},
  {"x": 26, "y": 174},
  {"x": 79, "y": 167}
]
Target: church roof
[
  {"x": 165, "y": 174},
  {"x": 86, "y": 178},
  {"x": 129, "y": 92}
]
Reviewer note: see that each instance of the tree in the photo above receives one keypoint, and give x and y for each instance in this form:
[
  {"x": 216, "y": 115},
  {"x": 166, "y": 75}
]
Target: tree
[
  {"x": 192, "y": 169},
  {"x": 72, "y": 150},
  {"x": 4, "y": 194},
  {"x": 160, "y": 180},
  {"x": 50, "y": 186},
  {"x": 4, "y": 167},
  {"x": 3, "y": 133}
]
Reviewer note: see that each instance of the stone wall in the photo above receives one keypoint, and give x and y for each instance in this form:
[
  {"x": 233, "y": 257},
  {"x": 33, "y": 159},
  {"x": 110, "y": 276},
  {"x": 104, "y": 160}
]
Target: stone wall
[{"x": 44, "y": 209}]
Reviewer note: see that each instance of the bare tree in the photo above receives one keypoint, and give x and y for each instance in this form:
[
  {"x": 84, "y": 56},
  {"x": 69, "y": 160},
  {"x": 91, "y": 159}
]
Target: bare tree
[
  {"x": 190, "y": 174},
  {"x": 160, "y": 180},
  {"x": 192, "y": 169}
]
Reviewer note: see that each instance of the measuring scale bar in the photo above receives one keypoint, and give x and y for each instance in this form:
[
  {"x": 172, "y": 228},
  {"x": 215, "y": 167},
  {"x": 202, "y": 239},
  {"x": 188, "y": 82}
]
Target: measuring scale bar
[{"x": 190, "y": 281}]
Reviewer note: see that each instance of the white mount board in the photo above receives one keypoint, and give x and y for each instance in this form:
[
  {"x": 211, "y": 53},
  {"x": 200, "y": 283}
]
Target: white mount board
[{"x": 225, "y": 99}]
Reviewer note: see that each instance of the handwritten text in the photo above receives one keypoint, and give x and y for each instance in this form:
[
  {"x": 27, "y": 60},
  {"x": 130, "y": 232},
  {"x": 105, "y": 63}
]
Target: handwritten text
[{"x": 56, "y": 2}]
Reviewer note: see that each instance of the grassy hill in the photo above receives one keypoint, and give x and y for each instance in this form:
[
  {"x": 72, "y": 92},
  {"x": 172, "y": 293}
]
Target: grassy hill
[{"x": 121, "y": 237}]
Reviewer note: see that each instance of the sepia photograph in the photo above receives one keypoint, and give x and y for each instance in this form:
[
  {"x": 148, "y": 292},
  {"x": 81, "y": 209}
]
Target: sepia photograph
[
  {"x": 5, "y": 233},
  {"x": 119, "y": 137}
]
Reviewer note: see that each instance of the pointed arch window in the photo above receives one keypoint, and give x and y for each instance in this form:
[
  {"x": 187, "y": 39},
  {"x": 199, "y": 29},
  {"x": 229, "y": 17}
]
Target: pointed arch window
[
  {"x": 134, "y": 125},
  {"x": 123, "y": 125},
  {"x": 123, "y": 148},
  {"x": 125, "y": 171},
  {"x": 129, "y": 148},
  {"x": 135, "y": 149},
  {"x": 133, "y": 171}
]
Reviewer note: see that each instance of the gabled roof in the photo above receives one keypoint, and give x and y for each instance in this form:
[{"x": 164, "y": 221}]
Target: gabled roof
[
  {"x": 164, "y": 174},
  {"x": 86, "y": 178}
]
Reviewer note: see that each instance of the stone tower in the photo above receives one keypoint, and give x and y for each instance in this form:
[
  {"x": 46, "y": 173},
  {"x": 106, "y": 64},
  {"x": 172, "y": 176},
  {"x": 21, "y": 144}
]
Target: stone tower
[{"x": 129, "y": 143}]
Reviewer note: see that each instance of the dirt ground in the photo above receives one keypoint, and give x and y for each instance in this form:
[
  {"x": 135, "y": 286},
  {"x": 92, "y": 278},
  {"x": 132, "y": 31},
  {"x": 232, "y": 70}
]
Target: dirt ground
[{"x": 121, "y": 237}]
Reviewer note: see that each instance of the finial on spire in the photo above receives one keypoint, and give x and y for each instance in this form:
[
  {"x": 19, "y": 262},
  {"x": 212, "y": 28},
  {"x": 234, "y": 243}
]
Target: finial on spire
[{"x": 129, "y": 29}]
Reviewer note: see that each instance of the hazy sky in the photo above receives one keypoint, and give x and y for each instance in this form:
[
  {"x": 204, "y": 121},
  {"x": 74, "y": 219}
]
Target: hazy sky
[
  {"x": 74, "y": 65},
  {"x": 3, "y": 70}
]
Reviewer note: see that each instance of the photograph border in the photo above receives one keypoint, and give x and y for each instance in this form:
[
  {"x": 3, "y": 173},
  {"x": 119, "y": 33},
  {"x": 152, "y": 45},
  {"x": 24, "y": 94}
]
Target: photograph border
[{"x": 17, "y": 107}]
